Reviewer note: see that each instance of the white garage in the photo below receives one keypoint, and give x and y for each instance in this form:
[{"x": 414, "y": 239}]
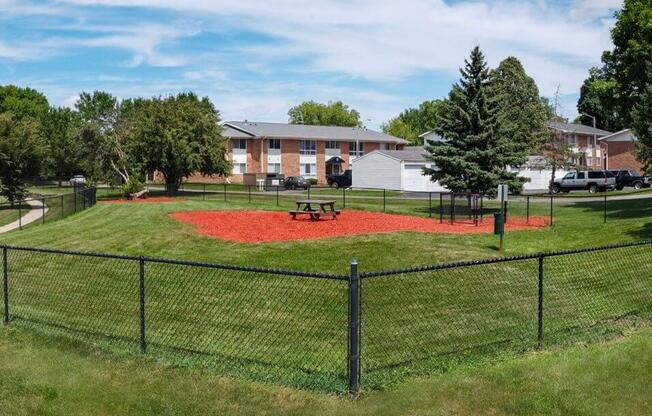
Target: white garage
[{"x": 400, "y": 170}]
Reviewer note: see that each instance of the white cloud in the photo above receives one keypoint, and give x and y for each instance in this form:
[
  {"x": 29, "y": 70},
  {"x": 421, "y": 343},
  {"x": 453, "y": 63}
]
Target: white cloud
[{"x": 389, "y": 40}]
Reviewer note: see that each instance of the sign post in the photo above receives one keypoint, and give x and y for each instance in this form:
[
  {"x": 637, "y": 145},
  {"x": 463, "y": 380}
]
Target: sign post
[{"x": 499, "y": 218}]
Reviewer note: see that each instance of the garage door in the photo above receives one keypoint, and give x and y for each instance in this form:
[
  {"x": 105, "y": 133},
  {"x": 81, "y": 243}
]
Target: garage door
[{"x": 414, "y": 179}]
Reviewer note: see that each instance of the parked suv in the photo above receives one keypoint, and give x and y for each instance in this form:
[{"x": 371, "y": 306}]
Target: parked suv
[
  {"x": 340, "y": 181},
  {"x": 590, "y": 180},
  {"x": 296, "y": 182},
  {"x": 630, "y": 178}
]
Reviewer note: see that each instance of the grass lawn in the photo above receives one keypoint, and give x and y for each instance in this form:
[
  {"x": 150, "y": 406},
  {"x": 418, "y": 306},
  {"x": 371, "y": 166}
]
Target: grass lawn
[
  {"x": 54, "y": 376},
  {"x": 9, "y": 214},
  {"x": 256, "y": 326}
]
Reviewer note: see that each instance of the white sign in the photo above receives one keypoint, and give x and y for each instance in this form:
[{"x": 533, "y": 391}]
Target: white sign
[{"x": 503, "y": 191}]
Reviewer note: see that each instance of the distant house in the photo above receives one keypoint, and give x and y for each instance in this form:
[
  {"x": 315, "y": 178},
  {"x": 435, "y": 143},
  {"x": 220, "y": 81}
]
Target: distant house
[
  {"x": 294, "y": 149},
  {"x": 584, "y": 141},
  {"x": 619, "y": 151}
]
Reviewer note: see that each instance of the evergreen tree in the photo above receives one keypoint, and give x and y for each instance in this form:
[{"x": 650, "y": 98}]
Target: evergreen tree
[
  {"x": 472, "y": 157},
  {"x": 521, "y": 116}
]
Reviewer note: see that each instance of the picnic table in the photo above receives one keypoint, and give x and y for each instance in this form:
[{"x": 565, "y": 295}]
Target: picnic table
[{"x": 315, "y": 208}]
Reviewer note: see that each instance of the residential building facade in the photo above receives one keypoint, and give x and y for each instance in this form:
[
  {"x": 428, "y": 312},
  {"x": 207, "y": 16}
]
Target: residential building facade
[
  {"x": 297, "y": 150},
  {"x": 619, "y": 151},
  {"x": 584, "y": 142}
]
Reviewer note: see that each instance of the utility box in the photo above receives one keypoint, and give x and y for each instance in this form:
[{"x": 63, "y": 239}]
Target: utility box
[
  {"x": 499, "y": 223},
  {"x": 251, "y": 179}
]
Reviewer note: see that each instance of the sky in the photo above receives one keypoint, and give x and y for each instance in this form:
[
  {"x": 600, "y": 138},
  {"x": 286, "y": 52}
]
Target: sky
[{"x": 255, "y": 59}]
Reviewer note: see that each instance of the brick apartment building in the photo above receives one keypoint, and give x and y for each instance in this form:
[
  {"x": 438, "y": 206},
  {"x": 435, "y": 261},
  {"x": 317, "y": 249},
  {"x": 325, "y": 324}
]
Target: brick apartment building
[
  {"x": 293, "y": 149},
  {"x": 584, "y": 142},
  {"x": 619, "y": 151}
]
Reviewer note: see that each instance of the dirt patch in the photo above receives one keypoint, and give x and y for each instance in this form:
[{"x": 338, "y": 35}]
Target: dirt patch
[
  {"x": 267, "y": 226},
  {"x": 142, "y": 200}
]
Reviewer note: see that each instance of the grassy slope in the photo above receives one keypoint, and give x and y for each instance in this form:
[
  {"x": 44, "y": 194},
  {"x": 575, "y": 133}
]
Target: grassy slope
[
  {"x": 58, "y": 377},
  {"x": 146, "y": 229}
]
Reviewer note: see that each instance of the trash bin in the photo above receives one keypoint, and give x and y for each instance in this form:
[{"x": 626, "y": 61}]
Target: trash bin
[
  {"x": 499, "y": 223},
  {"x": 273, "y": 180}
]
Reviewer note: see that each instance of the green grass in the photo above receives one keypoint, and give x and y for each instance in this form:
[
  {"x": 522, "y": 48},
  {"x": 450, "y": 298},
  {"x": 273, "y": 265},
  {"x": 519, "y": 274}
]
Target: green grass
[
  {"x": 55, "y": 376},
  {"x": 9, "y": 214},
  {"x": 293, "y": 331}
]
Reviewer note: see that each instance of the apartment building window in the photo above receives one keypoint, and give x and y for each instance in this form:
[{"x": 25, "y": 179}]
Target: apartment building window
[
  {"x": 571, "y": 139},
  {"x": 307, "y": 147},
  {"x": 589, "y": 161},
  {"x": 273, "y": 168},
  {"x": 332, "y": 144},
  {"x": 591, "y": 141},
  {"x": 240, "y": 144},
  {"x": 239, "y": 168},
  {"x": 309, "y": 170},
  {"x": 274, "y": 144},
  {"x": 384, "y": 146},
  {"x": 353, "y": 151}
]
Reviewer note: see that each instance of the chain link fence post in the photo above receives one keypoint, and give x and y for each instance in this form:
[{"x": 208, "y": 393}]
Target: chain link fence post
[
  {"x": 527, "y": 210},
  {"x": 62, "y": 214},
  {"x": 354, "y": 331},
  {"x": 605, "y": 208},
  {"x": 551, "y": 210},
  {"x": 384, "y": 201},
  {"x": 143, "y": 339},
  {"x": 20, "y": 214},
  {"x": 5, "y": 285},
  {"x": 43, "y": 210},
  {"x": 540, "y": 303}
]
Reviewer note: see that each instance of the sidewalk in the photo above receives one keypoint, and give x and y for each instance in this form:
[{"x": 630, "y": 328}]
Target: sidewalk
[{"x": 34, "y": 214}]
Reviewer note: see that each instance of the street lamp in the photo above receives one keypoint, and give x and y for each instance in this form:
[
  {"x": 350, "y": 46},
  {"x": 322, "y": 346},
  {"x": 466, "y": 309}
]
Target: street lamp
[{"x": 595, "y": 137}]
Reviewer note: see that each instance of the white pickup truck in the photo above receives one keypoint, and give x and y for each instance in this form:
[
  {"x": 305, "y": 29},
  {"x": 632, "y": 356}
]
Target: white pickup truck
[{"x": 589, "y": 180}]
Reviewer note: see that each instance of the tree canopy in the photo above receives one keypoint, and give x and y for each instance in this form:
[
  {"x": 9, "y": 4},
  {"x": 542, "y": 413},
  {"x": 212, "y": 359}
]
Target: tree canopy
[
  {"x": 60, "y": 128},
  {"x": 20, "y": 155},
  {"x": 22, "y": 102},
  {"x": 412, "y": 122},
  {"x": 332, "y": 114},
  {"x": 178, "y": 136},
  {"x": 473, "y": 155},
  {"x": 521, "y": 116},
  {"x": 619, "y": 94}
]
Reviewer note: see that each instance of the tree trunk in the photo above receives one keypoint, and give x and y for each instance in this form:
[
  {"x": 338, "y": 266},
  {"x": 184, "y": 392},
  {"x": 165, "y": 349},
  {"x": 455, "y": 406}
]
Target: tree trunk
[{"x": 172, "y": 185}]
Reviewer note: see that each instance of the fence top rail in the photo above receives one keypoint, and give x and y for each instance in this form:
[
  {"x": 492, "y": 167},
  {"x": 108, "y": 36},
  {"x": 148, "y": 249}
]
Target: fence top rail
[
  {"x": 179, "y": 262},
  {"x": 495, "y": 260}
]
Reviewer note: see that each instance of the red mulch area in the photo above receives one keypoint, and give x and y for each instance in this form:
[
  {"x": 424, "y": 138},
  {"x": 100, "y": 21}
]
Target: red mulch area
[
  {"x": 142, "y": 200},
  {"x": 267, "y": 226}
]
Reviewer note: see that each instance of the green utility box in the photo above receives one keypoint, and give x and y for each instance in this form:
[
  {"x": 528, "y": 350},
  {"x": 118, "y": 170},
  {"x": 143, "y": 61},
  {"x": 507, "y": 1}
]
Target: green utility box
[{"x": 499, "y": 223}]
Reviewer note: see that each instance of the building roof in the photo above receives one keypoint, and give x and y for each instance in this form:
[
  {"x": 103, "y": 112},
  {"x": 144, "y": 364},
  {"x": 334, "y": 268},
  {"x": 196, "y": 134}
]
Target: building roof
[
  {"x": 409, "y": 154},
  {"x": 251, "y": 129},
  {"x": 577, "y": 128},
  {"x": 620, "y": 136}
]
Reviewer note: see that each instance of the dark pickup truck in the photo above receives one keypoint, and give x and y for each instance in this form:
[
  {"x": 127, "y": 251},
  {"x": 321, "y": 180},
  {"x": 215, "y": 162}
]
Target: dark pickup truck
[
  {"x": 340, "y": 181},
  {"x": 630, "y": 178}
]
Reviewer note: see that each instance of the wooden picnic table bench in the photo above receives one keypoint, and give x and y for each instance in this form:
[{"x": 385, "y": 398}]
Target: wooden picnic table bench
[{"x": 315, "y": 208}]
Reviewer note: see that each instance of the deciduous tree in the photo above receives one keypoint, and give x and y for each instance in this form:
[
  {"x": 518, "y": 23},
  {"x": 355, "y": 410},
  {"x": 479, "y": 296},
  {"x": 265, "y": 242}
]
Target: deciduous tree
[
  {"x": 20, "y": 155},
  {"x": 178, "y": 136},
  {"x": 332, "y": 114}
]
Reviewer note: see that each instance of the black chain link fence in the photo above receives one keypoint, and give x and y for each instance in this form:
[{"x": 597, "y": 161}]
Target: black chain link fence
[
  {"x": 50, "y": 207},
  {"x": 329, "y": 332}
]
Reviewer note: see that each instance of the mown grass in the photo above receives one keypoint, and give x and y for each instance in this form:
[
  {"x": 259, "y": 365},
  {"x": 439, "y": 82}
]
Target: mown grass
[
  {"x": 9, "y": 214},
  {"x": 56, "y": 376},
  {"x": 293, "y": 331}
]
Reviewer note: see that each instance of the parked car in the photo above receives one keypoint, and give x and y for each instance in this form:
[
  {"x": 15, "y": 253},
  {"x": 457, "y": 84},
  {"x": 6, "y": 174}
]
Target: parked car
[
  {"x": 630, "y": 178},
  {"x": 296, "y": 182},
  {"x": 343, "y": 180},
  {"x": 590, "y": 180},
  {"x": 77, "y": 180}
]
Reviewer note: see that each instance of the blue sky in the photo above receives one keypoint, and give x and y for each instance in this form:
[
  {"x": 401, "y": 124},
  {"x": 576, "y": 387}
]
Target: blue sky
[{"x": 255, "y": 59}]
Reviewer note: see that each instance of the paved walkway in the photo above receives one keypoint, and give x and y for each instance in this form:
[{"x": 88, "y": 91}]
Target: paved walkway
[{"x": 34, "y": 214}]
